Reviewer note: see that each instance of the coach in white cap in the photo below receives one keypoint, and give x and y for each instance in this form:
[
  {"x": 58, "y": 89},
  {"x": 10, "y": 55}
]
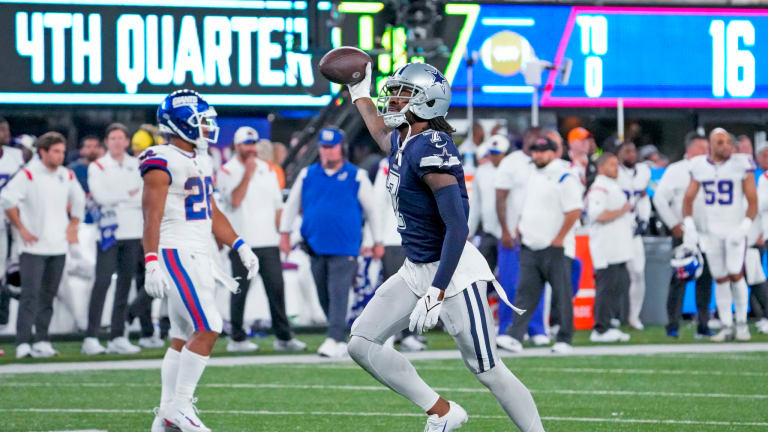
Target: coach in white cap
[
  {"x": 482, "y": 211},
  {"x": 253, "y": 202}
]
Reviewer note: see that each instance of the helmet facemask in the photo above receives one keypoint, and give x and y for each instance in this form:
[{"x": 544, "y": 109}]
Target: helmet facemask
[
  {"x": 395, "y": 89},
  {"x": 207, "y": 128}
]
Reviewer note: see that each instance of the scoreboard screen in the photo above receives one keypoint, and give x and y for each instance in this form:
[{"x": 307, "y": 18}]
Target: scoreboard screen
[{"x": 649, "y": 56}]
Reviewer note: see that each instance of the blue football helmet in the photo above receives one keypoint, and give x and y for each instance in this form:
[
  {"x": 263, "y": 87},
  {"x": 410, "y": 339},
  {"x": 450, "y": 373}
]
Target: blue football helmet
[
  {"x": 687, "y": 263},
  {"x": 185, "y": 114}
]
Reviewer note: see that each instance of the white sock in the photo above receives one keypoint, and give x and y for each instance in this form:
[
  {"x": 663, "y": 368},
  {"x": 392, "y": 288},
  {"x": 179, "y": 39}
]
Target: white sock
[
  {"x": 740, "y": 300},
  {"x": 168, "y": 372},
  {"x": 191, "y": 367},
  {"x": 724, "y": 299}
]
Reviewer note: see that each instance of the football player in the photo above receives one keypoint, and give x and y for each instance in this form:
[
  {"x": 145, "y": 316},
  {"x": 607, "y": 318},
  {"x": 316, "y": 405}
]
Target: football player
[
  {"x": 444, "y": 276},
  {"x": 633, "y": 179},
  {"x": 730, "y": 206},
  {"x": 179, "y": 216}
]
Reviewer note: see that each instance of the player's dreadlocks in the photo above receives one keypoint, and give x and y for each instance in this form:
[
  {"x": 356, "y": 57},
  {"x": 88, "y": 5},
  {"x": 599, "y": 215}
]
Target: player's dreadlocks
[{"x": 437, "y": 124}]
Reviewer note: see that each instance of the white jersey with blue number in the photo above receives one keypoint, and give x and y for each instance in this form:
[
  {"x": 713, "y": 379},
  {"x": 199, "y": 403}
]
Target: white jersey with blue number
[
  {"x": 725, "y": 205},
  {"x": 186, "y": 222}
]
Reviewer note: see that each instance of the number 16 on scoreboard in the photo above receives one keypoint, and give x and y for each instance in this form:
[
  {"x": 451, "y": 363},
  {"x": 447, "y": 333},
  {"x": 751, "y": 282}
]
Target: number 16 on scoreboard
[{"x": 733, "y": 69}]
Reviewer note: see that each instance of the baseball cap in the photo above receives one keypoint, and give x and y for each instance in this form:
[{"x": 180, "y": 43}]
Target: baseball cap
[
  {"x": 329, "y": 137},
  {"x": 498, "y": 144},
  {"x": 246, "y": 135},
  {"x": 578, "y": 133},
  {"x": 543, "y": 144},
  {"x": 761, "y": 145},
  {"x": 647, "y": 151}
]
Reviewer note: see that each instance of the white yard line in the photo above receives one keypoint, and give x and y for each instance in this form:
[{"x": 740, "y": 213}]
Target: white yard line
[
  {"x": 325, "y": 387},
  {"x": 389, "y": 414},
  {"x": 618, "y": 350}
]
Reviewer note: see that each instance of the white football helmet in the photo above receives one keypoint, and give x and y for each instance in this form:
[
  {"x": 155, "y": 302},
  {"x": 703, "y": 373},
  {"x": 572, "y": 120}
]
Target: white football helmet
[{"x": 430, "y": 93}]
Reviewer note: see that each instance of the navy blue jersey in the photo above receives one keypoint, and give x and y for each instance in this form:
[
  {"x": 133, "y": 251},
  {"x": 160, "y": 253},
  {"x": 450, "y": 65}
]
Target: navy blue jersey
[{"x": 418, "y": 220}]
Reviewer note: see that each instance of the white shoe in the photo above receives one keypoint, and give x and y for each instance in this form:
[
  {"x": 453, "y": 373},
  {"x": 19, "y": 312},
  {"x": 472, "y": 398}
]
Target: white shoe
[
  {"x": 327, "y": 348},
  {"x": 610, "y": 335},
  {"x": 341, "y": 350},
  {"x": 184, "y": 416},
  {"x": 725, "y": 334},
  {"x": 241, "y": 346},
  {"x": 562, "y": 348},
  {"x": 411, "y": 344},
  {"x": 454, "y": 419},
  {"x": 23, "y": 350},
  {"x": 615, "y": 323},
  {"x": 151, "y": 342},
  {"x": 159, "y": 424},
  {"x": 742, "y": 332},
  {"x": 540, "y": 340},
  {"x": 292, "y": 345},
  {"x": 636, "y": 325},
  {"x": 91, "y": 346},
  {"x": 121, "y": 345},
  {"x": 508, "y": 343},
  {"x": 43, "y": 349},
  {"x": 762, "y": 326}
]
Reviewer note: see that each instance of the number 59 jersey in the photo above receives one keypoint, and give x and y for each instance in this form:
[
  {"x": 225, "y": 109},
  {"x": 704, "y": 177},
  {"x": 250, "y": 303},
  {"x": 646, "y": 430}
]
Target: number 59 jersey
[
  {"x": 186, "y": 222},
  {"x": 725, "y": 205}
]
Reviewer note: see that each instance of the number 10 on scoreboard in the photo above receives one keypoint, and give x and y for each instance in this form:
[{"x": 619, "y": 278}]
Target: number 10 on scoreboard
[{"x": 733, "y": 69}]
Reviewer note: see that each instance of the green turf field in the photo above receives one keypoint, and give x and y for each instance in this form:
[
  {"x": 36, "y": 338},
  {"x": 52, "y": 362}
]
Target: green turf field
[{"x": 681, "y": 392}]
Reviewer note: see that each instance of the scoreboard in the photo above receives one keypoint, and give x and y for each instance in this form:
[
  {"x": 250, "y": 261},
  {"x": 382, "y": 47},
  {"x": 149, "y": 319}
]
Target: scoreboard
[
  {"x": 265, "y": 52},
  {"x": 648, "y": 56}
]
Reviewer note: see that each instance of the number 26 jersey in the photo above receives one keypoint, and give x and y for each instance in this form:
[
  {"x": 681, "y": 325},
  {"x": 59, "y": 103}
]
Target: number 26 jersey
[
  {"x": 725, "y": 205},
  {"x": 186, "y": 222}
]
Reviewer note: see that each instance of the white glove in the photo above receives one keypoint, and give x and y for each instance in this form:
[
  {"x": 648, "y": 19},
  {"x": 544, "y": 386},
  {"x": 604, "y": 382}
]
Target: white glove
[
  {"x": 363, "y": 88},
  {"x": 155, "y": 283},
  {"x": 249, "y": 260},
  {"x": 690, "y": 236},
  {"x": 740, "y": 233},
  {"x": 427, "y": 311}
]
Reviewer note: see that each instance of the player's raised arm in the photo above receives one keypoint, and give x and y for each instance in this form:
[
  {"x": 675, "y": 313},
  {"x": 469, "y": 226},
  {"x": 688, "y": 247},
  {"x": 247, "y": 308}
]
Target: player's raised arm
[{"x": 361, "y": 97}]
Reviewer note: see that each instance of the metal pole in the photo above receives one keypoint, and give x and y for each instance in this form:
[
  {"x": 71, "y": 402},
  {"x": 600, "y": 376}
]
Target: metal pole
[
  {"x": 535, "y": 108},
  {"x": 470, "y": 90},
  {"x": 620, "y": 120}
]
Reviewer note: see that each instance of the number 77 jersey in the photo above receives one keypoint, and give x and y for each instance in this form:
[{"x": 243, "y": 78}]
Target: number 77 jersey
[
  {"x": 725, "y": 205},
  {"x": 186, "y": 222}
]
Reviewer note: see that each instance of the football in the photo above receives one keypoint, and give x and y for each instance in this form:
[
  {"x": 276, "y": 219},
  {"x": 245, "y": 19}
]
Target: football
[{"x": 344, "y": 65}]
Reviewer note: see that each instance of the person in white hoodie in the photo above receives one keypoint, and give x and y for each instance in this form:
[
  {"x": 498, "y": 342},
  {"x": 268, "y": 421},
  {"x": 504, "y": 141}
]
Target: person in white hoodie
[
  {"x": 610, "y": 244},
  {"x": 45, "y": 203},
  {"x": 115, "y": 184}
]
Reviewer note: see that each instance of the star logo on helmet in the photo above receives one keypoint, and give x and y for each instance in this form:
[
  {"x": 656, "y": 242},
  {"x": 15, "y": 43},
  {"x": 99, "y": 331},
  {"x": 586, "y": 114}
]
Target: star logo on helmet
[{"x": 438, "y": 77}]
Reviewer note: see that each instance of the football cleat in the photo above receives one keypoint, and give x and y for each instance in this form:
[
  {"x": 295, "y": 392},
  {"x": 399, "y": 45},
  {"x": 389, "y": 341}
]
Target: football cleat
[
  {"x": 725, "y": 334},
  {"x": 121, "y": 345},
  {"x": 332, "y": 349},
  {"x": 508, "y": 343},
  {"x": 610, "y": 335},
  {"x": 411, "y": 344},
  {"x": 742, "y": 332},
  {"x": 91, "y": 346},
  {"x": 540, "y": 340},
  {"x": 159, "y": 424},
  {"x": 454, "y": 419},
  {"x": 241, "y": 346},
  {"x": 184, "y": 416},
  {"x": 291, "y": 345}
]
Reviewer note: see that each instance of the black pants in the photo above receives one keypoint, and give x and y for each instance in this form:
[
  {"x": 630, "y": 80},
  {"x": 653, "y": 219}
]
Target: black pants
[
  {"x": 271, "y": 271},
  {"x": 40, "y": 277},
  {"x": 141, "y": 307},
  {"x": 611, "y": 286},
  {"x": 125, "y": 258},
  {"x": 536, "y": 268},
  {"x": 334, "y": 276},
  {"x": 554, "y": 312},
  {"x": 677, "y": 292},
  {"x": 489, "y": 248}
]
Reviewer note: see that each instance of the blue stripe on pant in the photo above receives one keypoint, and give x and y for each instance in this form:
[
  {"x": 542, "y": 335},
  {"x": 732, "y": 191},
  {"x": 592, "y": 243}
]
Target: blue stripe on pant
[{"x": 508, "y": 274}]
